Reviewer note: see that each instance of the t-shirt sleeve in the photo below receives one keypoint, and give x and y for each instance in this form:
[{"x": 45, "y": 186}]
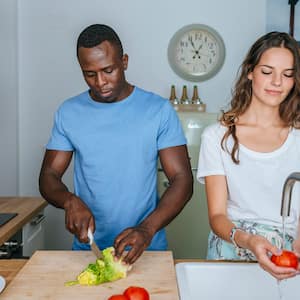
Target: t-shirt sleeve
[
  {"x": 58, "y": 139},
  {"x": 210, "y": 158},
  {"x": 170, "y": 132}
]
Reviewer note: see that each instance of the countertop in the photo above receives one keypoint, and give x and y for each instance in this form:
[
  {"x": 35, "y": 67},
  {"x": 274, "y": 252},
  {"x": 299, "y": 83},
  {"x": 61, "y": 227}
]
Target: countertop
[
  {"x": 10, "y": 267},
  {"x": 26, "y": 207},
  {"x": 43, "y": 275}
]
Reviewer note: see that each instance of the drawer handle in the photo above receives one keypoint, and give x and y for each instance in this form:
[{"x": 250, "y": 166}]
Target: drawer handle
[{"x": 37, "y": 220}]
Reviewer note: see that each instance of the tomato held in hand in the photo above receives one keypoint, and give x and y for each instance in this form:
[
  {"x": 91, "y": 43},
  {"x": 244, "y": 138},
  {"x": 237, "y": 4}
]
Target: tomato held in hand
[
  {"x": 118, "y": 297},
  {"x": 136, "y": 293},
  {"x": 286, "y": 259}
]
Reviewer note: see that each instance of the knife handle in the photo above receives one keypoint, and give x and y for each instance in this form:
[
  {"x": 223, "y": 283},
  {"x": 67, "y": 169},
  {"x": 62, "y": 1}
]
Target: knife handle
[{"x": 90, "y": 236}]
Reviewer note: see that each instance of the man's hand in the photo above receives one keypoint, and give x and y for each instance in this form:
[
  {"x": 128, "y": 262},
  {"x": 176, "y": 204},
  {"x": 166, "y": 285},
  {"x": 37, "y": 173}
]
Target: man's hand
[
  {"x": 138, "y": 238},
  {"x": 78, "y": 218}
]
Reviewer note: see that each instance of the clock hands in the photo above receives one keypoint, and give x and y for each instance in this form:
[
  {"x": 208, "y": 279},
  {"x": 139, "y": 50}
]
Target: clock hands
[
  {"x": 196, "y": 51},
  {"x": 192, "y": 43}
]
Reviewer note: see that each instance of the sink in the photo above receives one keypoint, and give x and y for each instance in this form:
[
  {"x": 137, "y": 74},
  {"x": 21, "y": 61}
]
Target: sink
[{"x": 232, "y": 280}]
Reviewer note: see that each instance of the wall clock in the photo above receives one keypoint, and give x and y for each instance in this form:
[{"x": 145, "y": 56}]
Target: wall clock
[{"x": 196, "y": 52}]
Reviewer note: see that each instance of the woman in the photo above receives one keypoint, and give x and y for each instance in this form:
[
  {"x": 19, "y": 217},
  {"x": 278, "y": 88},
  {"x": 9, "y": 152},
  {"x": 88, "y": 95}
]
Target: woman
[{"x": 246, "y": 157}]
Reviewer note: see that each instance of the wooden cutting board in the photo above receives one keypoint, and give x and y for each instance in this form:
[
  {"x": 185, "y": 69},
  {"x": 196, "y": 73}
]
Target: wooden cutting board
[{"x": 44, "y": 275}]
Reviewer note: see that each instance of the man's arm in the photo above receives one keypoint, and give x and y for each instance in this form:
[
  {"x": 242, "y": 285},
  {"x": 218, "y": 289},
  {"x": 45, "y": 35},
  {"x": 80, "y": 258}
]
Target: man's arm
[
  {"x": 176, "y": 165},
  {"x": 52, "y": 188},
  {"x": 78, "y": 217}
]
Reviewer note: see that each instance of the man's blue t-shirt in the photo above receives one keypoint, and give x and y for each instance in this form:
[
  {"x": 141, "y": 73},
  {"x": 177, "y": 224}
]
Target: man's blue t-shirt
[{"x": 115, "y": 157}]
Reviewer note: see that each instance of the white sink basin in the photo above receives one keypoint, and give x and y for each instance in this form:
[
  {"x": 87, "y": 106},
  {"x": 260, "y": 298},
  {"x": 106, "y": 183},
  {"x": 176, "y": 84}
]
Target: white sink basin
[{"x": 230, "y": 281}]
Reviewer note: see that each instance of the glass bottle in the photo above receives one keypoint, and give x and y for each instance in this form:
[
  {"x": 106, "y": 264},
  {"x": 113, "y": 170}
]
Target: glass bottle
[
  {"x": 184, "y": 97},
  {"x": 173, "y": 98},
  {"x": 196, "y": 99}
]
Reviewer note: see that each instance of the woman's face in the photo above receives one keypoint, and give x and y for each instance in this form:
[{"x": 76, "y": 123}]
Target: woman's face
[{"x": 273, "y": 77}]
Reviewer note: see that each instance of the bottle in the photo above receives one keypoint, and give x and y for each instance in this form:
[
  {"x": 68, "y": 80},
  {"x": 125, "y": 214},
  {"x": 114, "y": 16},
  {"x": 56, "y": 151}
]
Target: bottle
[
  {"x": 196, "y": 99},
  {"x": 201, "y": 107},
  {"x": 184, "y": 97},
  {"x": 173, "y": 98}
]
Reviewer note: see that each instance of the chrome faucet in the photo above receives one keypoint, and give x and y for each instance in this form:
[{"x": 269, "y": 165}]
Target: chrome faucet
[{"x": 287, "y": 193}]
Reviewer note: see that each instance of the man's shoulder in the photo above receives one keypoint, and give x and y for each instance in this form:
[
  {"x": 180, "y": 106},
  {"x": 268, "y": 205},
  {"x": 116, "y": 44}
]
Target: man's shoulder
[
  {"x": 149, "y": 95},
  {"x": 151, "y": 103},
  {"x": 74, "y": 100}
]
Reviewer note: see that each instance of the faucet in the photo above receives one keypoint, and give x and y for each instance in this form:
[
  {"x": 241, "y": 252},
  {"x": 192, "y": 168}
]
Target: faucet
[{"x": 287, "y": 193}]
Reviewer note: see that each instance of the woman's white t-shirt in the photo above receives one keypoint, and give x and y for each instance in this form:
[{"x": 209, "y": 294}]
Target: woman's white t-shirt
[{"x": 255, "y": 184}]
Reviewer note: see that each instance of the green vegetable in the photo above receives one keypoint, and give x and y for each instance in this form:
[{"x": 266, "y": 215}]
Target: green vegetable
[{"x": 103, "y": 270}]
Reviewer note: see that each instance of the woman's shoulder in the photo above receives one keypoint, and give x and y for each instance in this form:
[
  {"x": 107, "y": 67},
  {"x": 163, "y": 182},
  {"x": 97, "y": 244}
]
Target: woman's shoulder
[
  {"x": 295, "y": 132},
  {"x": 216, "y": 130}
]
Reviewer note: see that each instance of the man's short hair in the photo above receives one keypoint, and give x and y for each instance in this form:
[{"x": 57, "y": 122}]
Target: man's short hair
[{"x": 95, "y": 34}]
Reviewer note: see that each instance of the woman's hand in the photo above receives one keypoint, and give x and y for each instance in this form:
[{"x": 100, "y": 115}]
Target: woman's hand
[
  {"x": 263, "y": 250},
  {"x": 296, "y": 249}
]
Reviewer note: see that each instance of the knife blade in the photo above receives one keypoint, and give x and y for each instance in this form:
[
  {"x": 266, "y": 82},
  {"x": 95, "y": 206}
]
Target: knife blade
[{"x": 93, "y": 245}]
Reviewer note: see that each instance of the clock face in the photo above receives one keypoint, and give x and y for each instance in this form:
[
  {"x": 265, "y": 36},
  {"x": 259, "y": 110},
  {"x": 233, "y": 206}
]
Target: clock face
[{"x": 196, "y": 52}]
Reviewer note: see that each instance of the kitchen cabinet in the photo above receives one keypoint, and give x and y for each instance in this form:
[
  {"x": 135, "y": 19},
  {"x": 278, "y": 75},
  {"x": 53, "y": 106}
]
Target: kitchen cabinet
[
  {"x": 33, "y": 235},
  {"x": 27, "y": 226}
]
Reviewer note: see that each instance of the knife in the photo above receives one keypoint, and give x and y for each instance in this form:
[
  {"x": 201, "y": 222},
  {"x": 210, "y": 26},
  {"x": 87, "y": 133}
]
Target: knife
[{"x": 93, "y": 245}]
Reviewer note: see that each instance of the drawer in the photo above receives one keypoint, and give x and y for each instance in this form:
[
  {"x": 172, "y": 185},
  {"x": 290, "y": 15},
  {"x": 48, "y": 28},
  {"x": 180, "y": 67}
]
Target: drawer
[{"x": 33, "y": 235}]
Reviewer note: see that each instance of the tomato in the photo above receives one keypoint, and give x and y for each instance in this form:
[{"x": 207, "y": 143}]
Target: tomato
[
  {"x": 137, "y": 293},
  {"x": 286, "y": 259},
  {"x": 118, "y": 297}
]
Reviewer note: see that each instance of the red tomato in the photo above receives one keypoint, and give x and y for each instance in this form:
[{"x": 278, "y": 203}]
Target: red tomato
[
  {"x": 286, "y": 259},
  {"x": 118, "y": 297},
  {"x": 137, "y": 293}
]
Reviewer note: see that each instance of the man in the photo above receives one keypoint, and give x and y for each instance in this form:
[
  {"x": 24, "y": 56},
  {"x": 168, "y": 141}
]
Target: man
[{"x": 117, "y": 132}]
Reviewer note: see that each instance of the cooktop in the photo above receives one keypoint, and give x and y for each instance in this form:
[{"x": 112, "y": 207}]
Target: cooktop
[{"x": 5, "y": 217}]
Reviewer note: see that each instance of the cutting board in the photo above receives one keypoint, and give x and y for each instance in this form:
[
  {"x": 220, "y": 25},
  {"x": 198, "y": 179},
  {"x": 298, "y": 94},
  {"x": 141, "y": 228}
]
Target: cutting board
[{"x": 44, "y": 275}]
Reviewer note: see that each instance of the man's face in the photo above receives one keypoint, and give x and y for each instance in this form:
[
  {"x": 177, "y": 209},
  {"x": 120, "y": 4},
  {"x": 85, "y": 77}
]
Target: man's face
[{"x": 103, "y": 70}]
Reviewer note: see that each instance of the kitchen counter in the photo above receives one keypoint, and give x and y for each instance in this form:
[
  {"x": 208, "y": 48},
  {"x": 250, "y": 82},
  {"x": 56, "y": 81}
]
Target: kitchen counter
[
  {"x": 43, "y": 275},
  {"x": 10, "y": 267},
  {"x": 25, "y": 207}
]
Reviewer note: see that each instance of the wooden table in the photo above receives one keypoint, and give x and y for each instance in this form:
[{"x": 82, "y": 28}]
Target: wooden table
[
  {"x": 26, "y": 207},
  {"x": 43, "y": 277},
  {"x": 9, "y": 268}
]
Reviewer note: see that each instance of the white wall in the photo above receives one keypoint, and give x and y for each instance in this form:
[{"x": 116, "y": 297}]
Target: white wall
[
  {"x": 8, "y": 98},
  {"x": 278, "y": 17},
  {"x": 48, "y": 71}
]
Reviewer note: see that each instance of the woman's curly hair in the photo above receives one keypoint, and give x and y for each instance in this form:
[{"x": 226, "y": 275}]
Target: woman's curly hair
[{"x": 289, "y": 109}]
